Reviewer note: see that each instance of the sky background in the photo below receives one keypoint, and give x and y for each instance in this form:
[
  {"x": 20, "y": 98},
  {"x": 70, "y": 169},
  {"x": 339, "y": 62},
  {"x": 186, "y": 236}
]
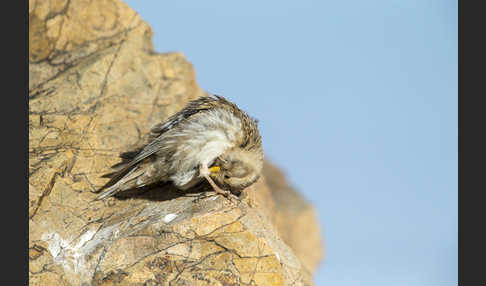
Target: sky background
[{"x": 357, "y": 103}]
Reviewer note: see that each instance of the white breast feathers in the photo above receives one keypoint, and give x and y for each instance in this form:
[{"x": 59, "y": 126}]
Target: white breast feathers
[{"x": 202, "y": 138}]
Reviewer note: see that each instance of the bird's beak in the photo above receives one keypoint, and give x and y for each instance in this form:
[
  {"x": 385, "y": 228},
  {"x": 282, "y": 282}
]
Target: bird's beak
[{"x": 213, "y": 171}]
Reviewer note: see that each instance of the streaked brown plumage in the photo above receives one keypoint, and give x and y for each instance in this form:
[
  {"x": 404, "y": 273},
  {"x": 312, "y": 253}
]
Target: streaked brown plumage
[{"x": 211, "y": 138}]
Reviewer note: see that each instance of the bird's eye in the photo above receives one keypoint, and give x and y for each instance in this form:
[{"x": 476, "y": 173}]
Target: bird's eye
[{"x": 226, "y": 176}]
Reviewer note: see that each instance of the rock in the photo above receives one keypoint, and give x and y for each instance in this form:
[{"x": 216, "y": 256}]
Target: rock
[
  {"x": 294, "y": 218},
  {"x": 96, "y": 86}
]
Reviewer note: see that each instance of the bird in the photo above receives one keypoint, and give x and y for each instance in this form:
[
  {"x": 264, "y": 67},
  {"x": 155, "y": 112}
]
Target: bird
[{"x": 210, "y": 139}]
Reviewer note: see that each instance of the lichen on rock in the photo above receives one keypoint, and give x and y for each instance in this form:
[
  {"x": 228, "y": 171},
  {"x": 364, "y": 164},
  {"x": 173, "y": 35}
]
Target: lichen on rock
[{"x": 95, "y": 88}]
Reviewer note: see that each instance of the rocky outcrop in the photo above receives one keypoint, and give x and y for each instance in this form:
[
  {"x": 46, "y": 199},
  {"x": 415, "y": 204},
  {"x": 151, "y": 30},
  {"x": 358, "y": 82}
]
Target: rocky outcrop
[{"x": 96, "y": 87}]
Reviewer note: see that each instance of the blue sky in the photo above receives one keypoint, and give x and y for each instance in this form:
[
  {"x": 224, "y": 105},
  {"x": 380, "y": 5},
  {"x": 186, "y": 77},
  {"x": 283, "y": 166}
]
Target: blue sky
[{"x": 357, "y": 102}]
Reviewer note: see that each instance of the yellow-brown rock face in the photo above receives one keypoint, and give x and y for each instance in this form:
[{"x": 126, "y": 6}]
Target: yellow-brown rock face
[{"x": 96, "y": 87}]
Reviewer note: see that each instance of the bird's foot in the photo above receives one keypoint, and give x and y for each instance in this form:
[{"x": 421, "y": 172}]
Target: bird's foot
[{"x": 227, "y": 194}]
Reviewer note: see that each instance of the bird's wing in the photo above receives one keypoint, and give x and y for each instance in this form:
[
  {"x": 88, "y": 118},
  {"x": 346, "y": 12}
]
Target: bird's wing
[{"x": 195, "y": 106}]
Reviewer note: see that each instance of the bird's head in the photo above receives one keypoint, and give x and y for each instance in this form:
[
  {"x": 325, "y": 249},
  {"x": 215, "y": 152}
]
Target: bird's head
[{"x": 237, "y": 169}]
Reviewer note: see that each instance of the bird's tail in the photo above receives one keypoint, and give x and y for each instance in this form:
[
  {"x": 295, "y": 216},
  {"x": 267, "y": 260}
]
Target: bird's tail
[
  {"x": 109, "y": 192},
  {"x": 139, "y": 176},
  {"x": 124, "y": 183}
]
